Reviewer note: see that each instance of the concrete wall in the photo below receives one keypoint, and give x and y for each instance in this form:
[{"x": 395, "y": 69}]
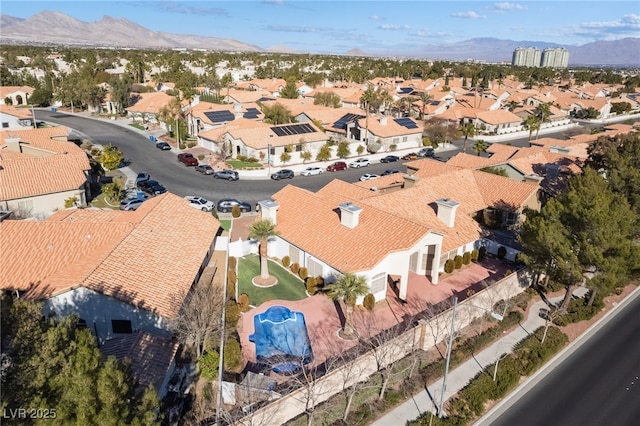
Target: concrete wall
[{"x": 44, "y": 205}]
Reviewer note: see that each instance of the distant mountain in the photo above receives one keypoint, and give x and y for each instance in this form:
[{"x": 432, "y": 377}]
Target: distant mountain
[{"x": 55, "y": 28}]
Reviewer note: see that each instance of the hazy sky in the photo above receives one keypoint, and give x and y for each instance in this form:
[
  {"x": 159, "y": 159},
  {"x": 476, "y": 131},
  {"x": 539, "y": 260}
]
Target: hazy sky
[{"x": 373, "y": 26}]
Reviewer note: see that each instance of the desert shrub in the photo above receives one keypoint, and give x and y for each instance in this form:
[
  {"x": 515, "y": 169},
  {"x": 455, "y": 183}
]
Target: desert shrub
[
  {"x": 182, "y": 145},
  {"x": 449, "y": 266},
  {"x": 502, "y": 252},
  {"x": 295, "y": 267},
  {"x": 303, "y": 273},
  {"x": 191, "y": 145},
  {"x": 232, "y": 353},
  {"x": 457, "y": 261},
  {"x": 466, "y": 258},
  {"x": 286, "y": 261},
  {"x": 369, "y": 302},
  {"x": 233, "y": 262},
  {"x": 208, "y": 364},
  {"x": 236, "y": 212},
  {"x": 200, "y": 157},
  {"x": 243, "y": 301},
  {"x": 232, "y": 312},
  {"x": 482, "y": 253},
  {"x": 508, "y": 272},
  {"x": 231, "y": 283}
]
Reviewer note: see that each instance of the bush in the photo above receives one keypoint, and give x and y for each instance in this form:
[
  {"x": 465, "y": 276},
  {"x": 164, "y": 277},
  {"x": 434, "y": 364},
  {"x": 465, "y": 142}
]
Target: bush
[
  {"x": 312, "y": 286},
  {"x": 191, "y": 145},
  {"x": 457, "y": 261},
  {"x": 449, "y": 266},
  {"x": 232, "y": 353},
  {"x": 474, "y": 255},
  {"x": 295, "y": 267},
  {"x": 182, "y": 145},
  {"x": 502, "y": 252},
  {"x": 466, "y": 258},
  {"x": 286, "y": 261},
  {"x": 243, "y": 301},
  {"x": 208, "y": 364},
  {"x": 303, "y": 273},
  {"x": 200, "y": 157},
  {"x": 233, "y": 262},
  {"x": 236, "y": 212},
  {"x": 369, "y": 302},
  {"x": 482, "y": 253},
  {"x": 232, "y": 313}
]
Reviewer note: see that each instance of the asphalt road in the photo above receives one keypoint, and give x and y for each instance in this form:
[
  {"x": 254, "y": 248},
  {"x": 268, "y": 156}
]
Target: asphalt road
[
  {"x": 163, "y": 166},
  {"x": 598, "y": 384}
]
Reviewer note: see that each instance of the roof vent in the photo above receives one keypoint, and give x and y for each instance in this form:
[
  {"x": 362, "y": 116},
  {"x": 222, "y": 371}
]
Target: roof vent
[{"x": 349, "y": 214}]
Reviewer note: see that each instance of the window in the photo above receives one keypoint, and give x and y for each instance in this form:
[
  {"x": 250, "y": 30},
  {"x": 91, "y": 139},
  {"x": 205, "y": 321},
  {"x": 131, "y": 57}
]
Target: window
[
  {"x": 314, "y": 268},
  {"x": 405, "y": 138},
  {"x": 5, "y": 124},
  {"x": 299, "y": 147},
  {"x": 121, "y": 326},
  {"x": 396, "y": 140},
  {"x": 378, "y": 282}
]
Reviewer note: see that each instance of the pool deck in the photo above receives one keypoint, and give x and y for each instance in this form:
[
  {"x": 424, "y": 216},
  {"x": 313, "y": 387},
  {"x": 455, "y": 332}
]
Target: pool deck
[{"x": 324, "y": 317}]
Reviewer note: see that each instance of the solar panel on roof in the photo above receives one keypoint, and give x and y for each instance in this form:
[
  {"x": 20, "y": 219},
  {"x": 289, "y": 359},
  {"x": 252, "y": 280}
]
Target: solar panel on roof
[
  {"x": 406, "y": 122},
  {"x": 293, "y": 129},
  {"x": 278, "y": 131},
  {"x": 251, "y": 113},
  {"x": 347, "y": 118},
  {"x": 219, "y": 116}
]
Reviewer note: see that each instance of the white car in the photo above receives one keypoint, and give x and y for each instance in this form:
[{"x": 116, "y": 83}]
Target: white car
[
  {"x": 368, "y": 176},
  {"x": 309, "y": 171},
  {"x": 200, "y": 203},
  {"x": 360, "y": 162}
]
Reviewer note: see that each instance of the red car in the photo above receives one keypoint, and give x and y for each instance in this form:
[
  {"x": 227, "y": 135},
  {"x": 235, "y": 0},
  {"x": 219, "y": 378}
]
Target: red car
[
  {"x": 338, "y": 165},
  {"x": 187, "y": 159}
]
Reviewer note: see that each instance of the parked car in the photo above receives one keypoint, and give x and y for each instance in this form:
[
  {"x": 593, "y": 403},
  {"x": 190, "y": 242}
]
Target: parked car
[
  {"x": 426, "y": 152},
  {"x": 310, "y": 171},
  {"x": 163, "y": 146},
  {"x": 187, "y": 159},
  {"x": 205, "y": 169},
  {"x": 282, "y": 174},
  {"x": 360, "y": 162},
  {"x": 130, "y": 204},
  {"x": 225, "y": 205},
  {"x": 337, "y": 166},
  {"x": 390, "y": 172},
  {"x": 227, "y": 174},
  {"x": 142, "y": 176},
  {"x": 200, "y": 203},
  {"x": 389, "y": 159},
  {"x": 368, "y": 176},
  {"x": 152, "y": 187},
  {"x": 410, "y": 156}
]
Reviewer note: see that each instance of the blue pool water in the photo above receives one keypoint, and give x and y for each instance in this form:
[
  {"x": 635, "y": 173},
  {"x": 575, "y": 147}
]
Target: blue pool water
[{"x": 281, "y": 338}]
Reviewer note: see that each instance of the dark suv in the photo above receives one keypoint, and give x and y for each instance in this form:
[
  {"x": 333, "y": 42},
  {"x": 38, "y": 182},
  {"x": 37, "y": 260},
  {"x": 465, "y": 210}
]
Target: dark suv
[
  {"x": 338, "y": 165},
  {"x": 152, "y": 187},
  {"x": 187, "y": 159},
  {"x": 226, "y": 205},
  {"x": 426, "y": 152}
]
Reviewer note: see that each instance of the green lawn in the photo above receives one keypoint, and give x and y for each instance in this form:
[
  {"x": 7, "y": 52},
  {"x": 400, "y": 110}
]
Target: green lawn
[
  {"x": 137, "y": 126},
  {"x": 225, "y": 224},
  {"x": 235, "y": 164},
  {"x": 289, "y": 286}
]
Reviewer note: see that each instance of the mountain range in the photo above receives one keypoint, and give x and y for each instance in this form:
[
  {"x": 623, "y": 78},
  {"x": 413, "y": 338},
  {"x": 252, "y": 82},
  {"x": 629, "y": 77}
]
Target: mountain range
[{"x": 55, "y": 28}]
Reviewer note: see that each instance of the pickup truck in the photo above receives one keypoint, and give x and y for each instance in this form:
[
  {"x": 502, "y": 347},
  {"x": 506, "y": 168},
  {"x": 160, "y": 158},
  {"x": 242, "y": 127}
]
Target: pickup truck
[{"x": 187, "y": 159}]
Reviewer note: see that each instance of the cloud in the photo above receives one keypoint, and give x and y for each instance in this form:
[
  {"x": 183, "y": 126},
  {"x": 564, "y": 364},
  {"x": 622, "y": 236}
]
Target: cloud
[
  {"x": 468, "y": 15},
  {"x": 276, "y": 2},
  {"x": 503, "y": 7},
  {"x": 177, "y": 7},
  {"x": 295, "y": 29},
  {"x": 628, "y": 25},
  {"x": 375, "y": 18},
  {"x": 391, "y": 27}
]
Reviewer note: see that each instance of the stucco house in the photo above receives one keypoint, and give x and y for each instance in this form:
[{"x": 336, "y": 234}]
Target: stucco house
[
  {"x": 40, "y": 170},
  {"x": 15, "y": 95},
  {"x": 120, "y": 271},
  {"x": 389, "y": 228},
  {"x": 15, "y": 118}
]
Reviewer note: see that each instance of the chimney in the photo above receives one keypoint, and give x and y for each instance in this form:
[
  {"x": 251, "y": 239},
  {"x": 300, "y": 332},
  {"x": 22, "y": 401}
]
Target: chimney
[
  {"x": 447, "y": 211},
  {"x": 13, "y": 144},
  {"x": 410, "y": 180},
  {"x": 268, "y": 209},
  {"x": 237, "y": 110},
  {"x": 533, "y": 179},
  {"x": 349, "y": 214},
  {"x": 383, "y": 120}
]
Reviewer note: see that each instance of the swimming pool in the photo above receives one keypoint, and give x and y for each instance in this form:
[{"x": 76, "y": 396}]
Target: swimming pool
[{"x": 281, "y": 339}]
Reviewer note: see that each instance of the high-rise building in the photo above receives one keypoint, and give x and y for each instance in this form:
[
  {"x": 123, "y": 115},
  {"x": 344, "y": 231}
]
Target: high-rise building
[
  {"x": 533, "y": 57},
  {"x": 526, "y": 57},
  {"x": 555, "y": 58}
]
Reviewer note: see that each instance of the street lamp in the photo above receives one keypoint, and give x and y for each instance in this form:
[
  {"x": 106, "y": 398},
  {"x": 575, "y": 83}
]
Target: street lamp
[
  {"x": 446, "y": 368},
  {"x": 269, "y": 158}
]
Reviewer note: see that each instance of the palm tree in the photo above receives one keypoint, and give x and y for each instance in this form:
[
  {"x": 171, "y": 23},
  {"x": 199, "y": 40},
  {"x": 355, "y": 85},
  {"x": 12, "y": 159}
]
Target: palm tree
[
  {"x": 480, "y": 146},
  {"x": 468, "y": 130},
  {"x": 531, "y": 123},
  {"x": 347, "y": 289},
  {"x": 263, "y": 230},
  {"x": 368, "y": 97},
  {"x": 543, "y": 112},
  {"x": 425, "y": 98}
]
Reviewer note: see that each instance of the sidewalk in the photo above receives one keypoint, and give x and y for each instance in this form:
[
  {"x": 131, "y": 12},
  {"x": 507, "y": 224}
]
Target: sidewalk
[{"x": 459, "y": 377}]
